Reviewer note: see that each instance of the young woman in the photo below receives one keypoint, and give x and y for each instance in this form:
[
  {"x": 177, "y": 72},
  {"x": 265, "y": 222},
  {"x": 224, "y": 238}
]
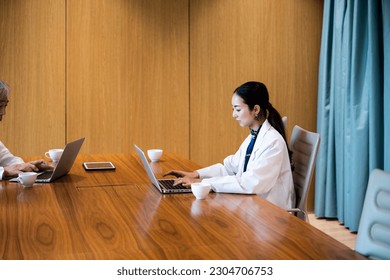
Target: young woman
[{"x": 262, "y": 163}]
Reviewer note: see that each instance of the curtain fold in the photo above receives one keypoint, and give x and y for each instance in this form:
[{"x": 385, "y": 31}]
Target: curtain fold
[{"x": 352, "y": 112}]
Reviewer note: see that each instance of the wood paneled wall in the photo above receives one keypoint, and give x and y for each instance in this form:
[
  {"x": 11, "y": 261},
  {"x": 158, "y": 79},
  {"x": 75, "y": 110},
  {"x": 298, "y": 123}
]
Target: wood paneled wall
[
  {"x": 32, "y": 62},
  {"x": 127, "y": 74},
  {"x": 156, "y": 73},
  {"x": 232, "y": 42}
]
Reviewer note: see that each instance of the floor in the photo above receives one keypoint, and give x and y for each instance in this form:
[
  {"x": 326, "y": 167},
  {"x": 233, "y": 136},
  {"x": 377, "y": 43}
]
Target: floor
[{"x": 334, "y": 229}]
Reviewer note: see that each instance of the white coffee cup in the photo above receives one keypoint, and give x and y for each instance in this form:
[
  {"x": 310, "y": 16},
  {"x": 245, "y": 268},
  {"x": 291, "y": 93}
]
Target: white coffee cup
[
  {"x": 155, "y": 154},
  {"x": 27, "y": 179},
  {"x": 54, "y": 154},
  {"x": 200, "y": 190}
]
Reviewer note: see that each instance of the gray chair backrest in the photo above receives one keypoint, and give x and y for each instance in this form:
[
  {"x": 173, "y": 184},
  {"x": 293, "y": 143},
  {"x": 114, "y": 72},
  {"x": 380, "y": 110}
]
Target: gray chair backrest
[
  {"x": 373, "y": 237},
  {"x": 304, "y": 145},
  {"x": 284, "y": 120}
]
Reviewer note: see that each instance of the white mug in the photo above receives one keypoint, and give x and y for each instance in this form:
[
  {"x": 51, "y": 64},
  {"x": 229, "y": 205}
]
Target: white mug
[
  {"x": 155, "y": 154},
  {"x": 54, "y": 154},
  {"x": 27, "y": 179},
  {"x": 200, "y": 190}
]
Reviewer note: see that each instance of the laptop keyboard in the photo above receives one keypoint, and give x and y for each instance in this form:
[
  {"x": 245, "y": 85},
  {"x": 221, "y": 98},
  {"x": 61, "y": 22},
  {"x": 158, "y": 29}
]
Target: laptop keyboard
[
  {"x": 45, "y": 175},
  {"x": 168, "y": 184}
]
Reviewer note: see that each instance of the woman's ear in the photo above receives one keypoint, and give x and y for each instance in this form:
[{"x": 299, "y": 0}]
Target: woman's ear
[{"x": 257, "y": 110}]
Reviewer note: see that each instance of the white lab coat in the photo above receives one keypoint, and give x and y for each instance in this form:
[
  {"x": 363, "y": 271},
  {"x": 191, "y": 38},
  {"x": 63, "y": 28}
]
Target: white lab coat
[
  {"x": 6, "y": 158},
  {"x": 268, "y": 172}
]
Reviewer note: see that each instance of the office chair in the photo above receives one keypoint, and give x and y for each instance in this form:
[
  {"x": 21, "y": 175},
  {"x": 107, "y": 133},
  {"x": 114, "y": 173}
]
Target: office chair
[
  {"x": 304, "y": 145},
  {"x": 373, "y": 237}
]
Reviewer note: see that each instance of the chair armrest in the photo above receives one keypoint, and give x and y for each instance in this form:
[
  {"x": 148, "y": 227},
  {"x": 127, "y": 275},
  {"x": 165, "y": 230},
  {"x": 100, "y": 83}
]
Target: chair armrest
[
  {"x": 294, "y": 210},
  {"x": 299, "y": 213}
]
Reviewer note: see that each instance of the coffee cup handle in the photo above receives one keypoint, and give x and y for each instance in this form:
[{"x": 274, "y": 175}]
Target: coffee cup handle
[{"x": 47, "y": 155}]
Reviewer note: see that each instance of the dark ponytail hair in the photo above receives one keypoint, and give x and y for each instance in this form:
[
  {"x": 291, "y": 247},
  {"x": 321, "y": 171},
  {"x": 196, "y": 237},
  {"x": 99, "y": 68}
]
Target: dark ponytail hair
[{"x": 256, "y": 93}]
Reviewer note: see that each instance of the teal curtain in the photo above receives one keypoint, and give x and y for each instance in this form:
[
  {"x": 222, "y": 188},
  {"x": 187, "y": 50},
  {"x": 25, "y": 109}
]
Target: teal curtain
[{"x": 353, "y": 116}]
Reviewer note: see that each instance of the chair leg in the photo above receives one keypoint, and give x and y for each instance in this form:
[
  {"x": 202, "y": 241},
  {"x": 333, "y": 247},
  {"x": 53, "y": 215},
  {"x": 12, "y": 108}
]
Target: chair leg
[{"x": 303, "y": 216}]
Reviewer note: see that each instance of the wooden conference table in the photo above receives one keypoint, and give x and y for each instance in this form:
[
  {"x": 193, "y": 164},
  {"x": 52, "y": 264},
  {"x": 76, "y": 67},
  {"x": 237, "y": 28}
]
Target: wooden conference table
[{"x": 120, "y": 215}]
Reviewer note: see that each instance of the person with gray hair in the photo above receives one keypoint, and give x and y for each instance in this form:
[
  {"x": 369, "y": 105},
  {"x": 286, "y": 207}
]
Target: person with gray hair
[{"x": 10, "y": 165}]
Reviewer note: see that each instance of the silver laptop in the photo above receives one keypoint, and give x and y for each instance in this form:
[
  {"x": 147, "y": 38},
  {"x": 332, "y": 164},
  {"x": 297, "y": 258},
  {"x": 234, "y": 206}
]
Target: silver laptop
[
  {"x": 163, "y": 185},
  {"x": 63, "y": 166}
]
